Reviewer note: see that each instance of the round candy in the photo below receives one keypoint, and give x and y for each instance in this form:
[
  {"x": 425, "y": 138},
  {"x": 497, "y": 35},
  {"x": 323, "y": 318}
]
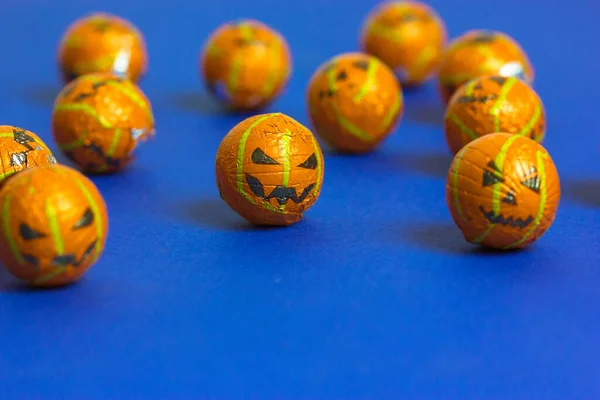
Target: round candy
[
  {"x": 479, "y": 53},
  {"x": 493, "y": 104},
  {"x": 21, "y": 149},
  {"x": 503, "y": 191},
  {"x": 409, "y": 36},
  {"x": 246, "y": 64},
  {"x": 99, "y": 120},
  {"x": 54, "y": 225},
  {"x": 102, "y": 42},
  {"x": 354, "y": 102},
  {"x": 269, "y": 169}
]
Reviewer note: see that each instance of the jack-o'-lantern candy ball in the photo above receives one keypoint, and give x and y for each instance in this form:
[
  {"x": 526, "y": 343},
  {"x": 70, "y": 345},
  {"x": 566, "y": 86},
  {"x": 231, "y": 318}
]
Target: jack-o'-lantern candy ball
[
  {"x": 503, "y": 191},
  {"x": 480, "y": 53},
  {"x": 54, "y": 225},
  {"x": 102, "y": 42},
  {"x": 493, "y": 104},
  {"x": 246, "y": 64},
  {"x": 269, "y": 169},
  {"x": 409, "y": 36},
  {"x": 99, "y": 120},
  {"x": 354, "y": 102},
  {"x": 21, "y": 149}
]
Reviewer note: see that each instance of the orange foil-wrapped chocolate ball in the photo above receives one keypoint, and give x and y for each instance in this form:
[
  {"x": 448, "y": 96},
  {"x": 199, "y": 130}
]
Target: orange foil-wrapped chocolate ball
[
  {"x": 493, "y": 104},
  {"x": 409, "y": 36},
  {"x": 354, "y": 102},
  {"x": 503, "y": 191},
  {"x": 21, "y": 149},
  {"x": 479, "y": 53},
  {"x": 54, "y": 225},
  {"x": 99, "y": 120},
  {"x": 102, "y": 42},
  {"x": 246, "y": 64},
  {"x": 269, "y": 169}
]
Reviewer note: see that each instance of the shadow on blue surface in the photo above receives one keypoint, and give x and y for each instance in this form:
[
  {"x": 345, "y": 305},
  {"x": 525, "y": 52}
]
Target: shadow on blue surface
[
  {"x": 585, "y": 192},
  {"x": 433, "y": 164},
  {"x": 209, "y": 212},
  {"x": 425, "y": 113},
  {"x": 42, "y": 94},
  {"x": 196, "y": 102},
  {"x": 423, "y": 106},
  {"x": 199, "y": 102},
  {"x": 7, "y": 282},
  {"x": 10, "y": 284},
  {"x": 442, "y": 237},
  {"x": 445, "y": 237}
]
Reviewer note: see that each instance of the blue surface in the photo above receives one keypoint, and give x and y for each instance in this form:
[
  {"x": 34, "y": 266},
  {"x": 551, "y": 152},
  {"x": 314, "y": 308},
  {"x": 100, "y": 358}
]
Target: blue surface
[{"x": 374, "y": 295}]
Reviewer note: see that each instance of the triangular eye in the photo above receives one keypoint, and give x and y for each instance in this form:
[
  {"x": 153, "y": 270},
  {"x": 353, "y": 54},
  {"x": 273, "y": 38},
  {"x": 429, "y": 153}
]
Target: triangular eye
[
  {"x": 500, "y": 80},
  {"x": 408, "y": 18},
  {"x": 489, "y": 178},
  {"x": 510, "y": 198},
  {"x": 259, "y": 157},
  {"x": 493, "y": 166},
  {"x": 484, "y": 37},
  {"x": 361, "y": 64},
  {"x": 534, "y": 182},
  {"x": 29, "y": 234},
  {"x": 310, "y": 163},
  {"x": 341, "y": 76},
  {"x": 86, "y": 219}
]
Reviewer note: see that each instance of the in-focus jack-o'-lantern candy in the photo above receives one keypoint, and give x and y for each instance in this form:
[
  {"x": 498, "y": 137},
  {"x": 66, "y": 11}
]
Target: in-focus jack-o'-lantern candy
[
  {"x": 54, "y": 225},
  {"x": 409, "y": 36},
  {"x": 354, "y": 102},
  {"x": 21, "y": 149},
  {"x": 503, "y": 191},
  {"x": 99, "y": 120},
  {"x": 246, "y": 64},
  {"x": 482, "y": 53},
  {"x": 269, "y": 169},
  {"x": 102, "y": 42},
  {"x": 493, "y": 104}
]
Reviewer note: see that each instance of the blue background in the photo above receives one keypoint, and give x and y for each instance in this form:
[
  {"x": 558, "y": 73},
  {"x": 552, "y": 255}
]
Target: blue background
[{"x": 375, "y": 294}]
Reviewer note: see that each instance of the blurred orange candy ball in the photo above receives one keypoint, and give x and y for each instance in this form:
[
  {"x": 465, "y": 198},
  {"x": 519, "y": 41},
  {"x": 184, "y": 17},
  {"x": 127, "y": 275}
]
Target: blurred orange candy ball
[
  {"x": 102, "y": 42},
  {"x": 21, "y": 149},
  {"x": 503, "y": 191},
  {"x": 354, "y": 102},
  {"x": 246, "y": 64},
  {"x": 99, "y": 120},
  {"x": 54, "y": 225},
  {"x": 480, "y": 53},
  {"x": 409, "y": 36},
  {"x": 493, "y": 104}
]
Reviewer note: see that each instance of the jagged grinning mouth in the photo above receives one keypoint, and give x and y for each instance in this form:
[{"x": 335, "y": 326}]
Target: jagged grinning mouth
[
  {"x": 64, "y": 260},
  {"x": 281, "y": 193},
  {"x": 510, "y": 221}
]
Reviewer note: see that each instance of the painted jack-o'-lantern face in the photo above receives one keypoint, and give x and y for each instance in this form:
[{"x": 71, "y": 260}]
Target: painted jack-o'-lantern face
[
  {"x": 102, "y": 42},
  {"x": 493, "y": 104},
  {"x": 54, "y": 225},
  {"x": 482, "y": 53},
  {"x": 354, "y": 102},
  {"x": 269, "y": 169},
  {"x": 246, "y": 64},
  {"x": 21, "y": 149},
  {"x": 503, "y": 191}
]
